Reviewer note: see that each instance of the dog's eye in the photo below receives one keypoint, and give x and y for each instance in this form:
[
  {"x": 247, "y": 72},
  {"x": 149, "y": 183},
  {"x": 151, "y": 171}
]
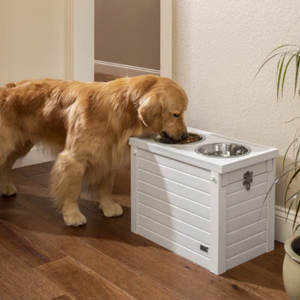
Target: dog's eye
[{"x": 176, "y": 115}]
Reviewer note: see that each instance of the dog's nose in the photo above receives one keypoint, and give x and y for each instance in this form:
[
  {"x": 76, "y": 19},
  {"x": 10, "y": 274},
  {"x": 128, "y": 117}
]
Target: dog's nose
[{"x": 185, "y": 135}]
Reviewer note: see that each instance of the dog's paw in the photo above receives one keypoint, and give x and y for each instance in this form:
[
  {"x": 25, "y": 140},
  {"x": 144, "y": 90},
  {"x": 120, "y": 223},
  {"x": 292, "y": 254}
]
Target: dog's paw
[
  {"x": 74, "y": 219},
  {"x": 112, "y": 210},
  {"x": 8, "y": 190}
]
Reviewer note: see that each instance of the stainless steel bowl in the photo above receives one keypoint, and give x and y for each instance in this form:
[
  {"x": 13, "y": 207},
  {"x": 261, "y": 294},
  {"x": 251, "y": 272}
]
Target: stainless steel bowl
[{"x": 223, "y": 150}]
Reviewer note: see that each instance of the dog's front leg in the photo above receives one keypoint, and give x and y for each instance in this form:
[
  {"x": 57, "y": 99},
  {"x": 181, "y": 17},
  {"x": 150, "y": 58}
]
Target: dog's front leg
[
  {"x": 6, "y": 187},
  {"x": 66, "y": 180},
  {"x": 103, "y": 194}
]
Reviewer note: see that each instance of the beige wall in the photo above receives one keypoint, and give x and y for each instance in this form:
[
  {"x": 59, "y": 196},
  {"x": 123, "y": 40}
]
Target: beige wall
[
  {"x": 127, "y": 32},
  {"x": 217, "y": 49},
  {"x": 33, "y": 39}
]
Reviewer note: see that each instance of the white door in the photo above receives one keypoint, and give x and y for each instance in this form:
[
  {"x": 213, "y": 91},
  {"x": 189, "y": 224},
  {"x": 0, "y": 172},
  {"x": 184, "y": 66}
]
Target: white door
[{"x": 46, "y": 39}]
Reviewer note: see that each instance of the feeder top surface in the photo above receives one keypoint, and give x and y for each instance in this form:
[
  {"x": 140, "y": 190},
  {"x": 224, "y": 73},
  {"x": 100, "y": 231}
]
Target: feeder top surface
[{"x": 221, "y": 164}]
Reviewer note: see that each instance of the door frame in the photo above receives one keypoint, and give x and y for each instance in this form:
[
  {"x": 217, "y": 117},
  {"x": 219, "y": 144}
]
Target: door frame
[
  {"x": 166, "y": 38},
  {"x": 80, "y": 39}
]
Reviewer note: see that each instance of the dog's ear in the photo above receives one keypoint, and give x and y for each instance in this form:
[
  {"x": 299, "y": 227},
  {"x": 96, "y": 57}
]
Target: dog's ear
[{"x": 151, "y": 113}]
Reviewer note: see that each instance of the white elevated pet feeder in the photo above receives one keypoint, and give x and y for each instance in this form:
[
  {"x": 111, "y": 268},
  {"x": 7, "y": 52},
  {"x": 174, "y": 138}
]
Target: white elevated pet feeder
[{"x": 204, "y": 201}]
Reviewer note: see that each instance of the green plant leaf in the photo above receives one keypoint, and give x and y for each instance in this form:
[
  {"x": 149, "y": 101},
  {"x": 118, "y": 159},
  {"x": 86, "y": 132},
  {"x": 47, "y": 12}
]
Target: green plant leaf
[
  {"x": 290, "y": 182},
  {"x": 267, "y": 60},
  {"x": 296, "y": 216},
  {"x": 282, "y": 46},
  {"x": 281, "y": 175},
  {"x": 287, "y": 214},
  {"x": 293, "y": 51},
  {"x": 297, "y": 71},
  {"x": 297, "y": 156},
  {"x": 279, "y": 74},
  {"x": 281, "y": 70},
  {"x": 293, "y": 198},
  {"x": 287, "y": 150},
  {"x": 284, "y": 74},
  {"x": 284, "y": 170}
]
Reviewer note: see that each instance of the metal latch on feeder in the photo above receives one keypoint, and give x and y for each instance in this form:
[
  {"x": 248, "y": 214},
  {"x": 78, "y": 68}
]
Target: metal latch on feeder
[{"x": 248, "y": 180}]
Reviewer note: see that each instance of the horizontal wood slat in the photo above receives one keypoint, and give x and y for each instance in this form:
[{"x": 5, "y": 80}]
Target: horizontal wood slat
[
  {"x": 246, "y": 244},
  {"x": 173, "y": 211},
  {"x": 174, "y": 187},
  {"x": 174, "y": 224},
  {"x": 246, "y": 232},
  {"x": 247, "y": 219},
  {"x": 245, "y": 256},
  {"x": 239, "y": 174},
  {"x": 238, "y": 186},
  {"x": 244, "y": 195},
  {"x": 175, "y": 175},
  {"x": 174, "y": 247},
  {"x": 246, "y": 207},
  {"x": 172, "y": 235},
  {"x": 175, "y": 200},
  {"x": 165, "y": 161}
]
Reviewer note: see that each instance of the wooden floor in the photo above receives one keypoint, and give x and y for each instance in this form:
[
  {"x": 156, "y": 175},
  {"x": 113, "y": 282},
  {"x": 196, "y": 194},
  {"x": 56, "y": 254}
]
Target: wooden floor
[{"x": 41, "y": 258}]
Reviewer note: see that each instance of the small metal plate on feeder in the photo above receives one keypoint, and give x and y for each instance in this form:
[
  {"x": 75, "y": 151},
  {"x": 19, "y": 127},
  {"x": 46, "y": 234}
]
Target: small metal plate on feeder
[
  {"x": 223, "y": 150},
  {"x": 192, "y": 138}
]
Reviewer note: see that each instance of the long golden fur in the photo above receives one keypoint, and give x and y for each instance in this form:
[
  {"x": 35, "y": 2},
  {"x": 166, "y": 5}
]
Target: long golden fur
[{"x": 88, "y": 125}]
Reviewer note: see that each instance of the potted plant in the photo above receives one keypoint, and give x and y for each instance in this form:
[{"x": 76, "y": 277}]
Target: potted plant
[{"x": 288, "y": 55}]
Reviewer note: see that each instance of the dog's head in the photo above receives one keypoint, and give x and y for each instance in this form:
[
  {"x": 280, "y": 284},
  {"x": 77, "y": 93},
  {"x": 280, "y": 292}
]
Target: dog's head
[{"x": 162, "y": 109}]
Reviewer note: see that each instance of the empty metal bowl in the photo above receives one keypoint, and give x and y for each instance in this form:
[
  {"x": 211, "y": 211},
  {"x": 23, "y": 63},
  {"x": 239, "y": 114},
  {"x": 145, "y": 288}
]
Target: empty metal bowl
[{"x": 223, "y": 150}]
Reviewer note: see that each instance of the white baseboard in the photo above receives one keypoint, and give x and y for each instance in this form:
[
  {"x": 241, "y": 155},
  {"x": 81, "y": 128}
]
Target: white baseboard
[
  {"x": 283, "y": 225},
  {"x": 122, "y": 70},
  {"x": 35, "y": 156}
]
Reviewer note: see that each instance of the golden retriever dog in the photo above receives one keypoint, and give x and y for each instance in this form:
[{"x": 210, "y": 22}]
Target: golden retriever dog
[{"x": 88, "y": 126}]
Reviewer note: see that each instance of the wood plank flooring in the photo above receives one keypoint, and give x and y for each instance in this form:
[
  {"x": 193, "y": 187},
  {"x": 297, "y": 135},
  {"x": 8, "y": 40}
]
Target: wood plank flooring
[{"x": 41, "y": 258}]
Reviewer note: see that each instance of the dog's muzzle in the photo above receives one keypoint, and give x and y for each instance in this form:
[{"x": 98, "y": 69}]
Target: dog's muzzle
[{"x": 166, "y": 136}]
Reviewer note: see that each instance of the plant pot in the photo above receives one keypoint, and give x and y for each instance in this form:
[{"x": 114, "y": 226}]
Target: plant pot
[{"x": 291, "y": 267}]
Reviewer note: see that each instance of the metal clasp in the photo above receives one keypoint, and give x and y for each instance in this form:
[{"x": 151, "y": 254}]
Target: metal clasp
[{"x": 248, "y": 180}]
